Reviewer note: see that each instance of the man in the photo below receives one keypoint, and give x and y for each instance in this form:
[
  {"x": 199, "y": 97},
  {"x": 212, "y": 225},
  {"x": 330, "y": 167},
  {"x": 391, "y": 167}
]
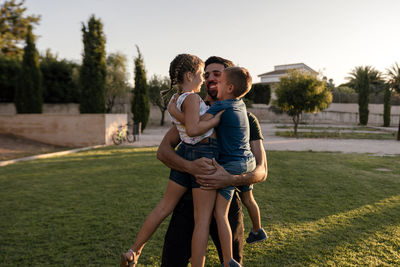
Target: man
[{"x": 210, "y": 175}]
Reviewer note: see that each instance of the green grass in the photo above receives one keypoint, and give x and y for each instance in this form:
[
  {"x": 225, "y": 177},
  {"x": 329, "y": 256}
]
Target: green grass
[
  {"x": 339, "y": 135},
  {"x": 319, "y": 209}
]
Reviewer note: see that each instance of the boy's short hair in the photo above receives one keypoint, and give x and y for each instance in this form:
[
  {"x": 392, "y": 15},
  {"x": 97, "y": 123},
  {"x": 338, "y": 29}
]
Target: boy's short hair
[
  {"x": 240, "y": 78},
  {"x": 219, "y": 60}
]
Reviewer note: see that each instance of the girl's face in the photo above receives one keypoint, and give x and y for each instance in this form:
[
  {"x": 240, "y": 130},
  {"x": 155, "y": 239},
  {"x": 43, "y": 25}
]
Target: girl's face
[{"x": 198, "y": 79}]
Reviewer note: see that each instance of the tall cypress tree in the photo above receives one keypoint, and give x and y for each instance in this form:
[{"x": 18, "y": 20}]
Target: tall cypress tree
[
  {"x": 93, "y": 70},
  {"x": 363, "y": 97},
  {"x": 386, "y": 106},
  {"x": 28, "y": 94},
  {"x": 140, "y": 103}
]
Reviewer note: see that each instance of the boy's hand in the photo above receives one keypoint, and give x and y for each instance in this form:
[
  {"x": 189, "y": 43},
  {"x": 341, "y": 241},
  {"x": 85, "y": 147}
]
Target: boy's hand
[{"x": 218, "y": 115}]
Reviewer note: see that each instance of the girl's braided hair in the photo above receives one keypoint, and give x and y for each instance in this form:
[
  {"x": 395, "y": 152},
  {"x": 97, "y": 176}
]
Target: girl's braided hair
[{"x": 181, "y": 64}]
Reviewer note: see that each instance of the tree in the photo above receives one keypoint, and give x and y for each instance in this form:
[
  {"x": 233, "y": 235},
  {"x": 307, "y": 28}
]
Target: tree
[
  {"x": 394, "y": 75},
  {"x": 140, "y": 103},
  {"x": 386, "y": 107},
  {"x": 116, "y": 79},
  {"x": 365, "y": 80},
  {"x": 93, "y": 71},
  {"x": 13, "y": 27},
  {"x": 156, "y": 85},
  {"x": 28, "y": 94},
  {"x": 300, "y": 92}
]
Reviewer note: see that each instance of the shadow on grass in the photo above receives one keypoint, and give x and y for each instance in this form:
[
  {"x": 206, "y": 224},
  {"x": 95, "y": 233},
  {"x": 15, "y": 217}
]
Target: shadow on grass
[{"x": 359, "y": 237}]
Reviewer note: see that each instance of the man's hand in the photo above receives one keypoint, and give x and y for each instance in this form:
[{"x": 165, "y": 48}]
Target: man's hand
[
  {"x": 202, "y": 166},
  {"x": 218, "y": 179}
]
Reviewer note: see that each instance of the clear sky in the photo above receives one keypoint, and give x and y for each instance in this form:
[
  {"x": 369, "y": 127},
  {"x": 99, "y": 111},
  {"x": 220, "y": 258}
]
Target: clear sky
[{"x": 329, "y": 36}]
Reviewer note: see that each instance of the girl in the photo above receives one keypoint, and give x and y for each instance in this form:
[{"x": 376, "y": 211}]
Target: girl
[{"x": 198, "y": 140}]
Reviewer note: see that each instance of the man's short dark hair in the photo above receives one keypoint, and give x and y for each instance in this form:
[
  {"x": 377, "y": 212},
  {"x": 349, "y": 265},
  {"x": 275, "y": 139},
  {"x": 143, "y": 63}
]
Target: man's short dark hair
[{"x": 218, "y": 60}]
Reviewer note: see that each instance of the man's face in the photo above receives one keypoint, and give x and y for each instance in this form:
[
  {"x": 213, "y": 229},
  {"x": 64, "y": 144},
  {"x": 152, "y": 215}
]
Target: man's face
[{"x": 213, "y": 73}]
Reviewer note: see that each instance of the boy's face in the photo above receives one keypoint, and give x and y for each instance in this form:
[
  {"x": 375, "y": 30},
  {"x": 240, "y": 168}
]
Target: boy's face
[{"x": 224, "y": 88}]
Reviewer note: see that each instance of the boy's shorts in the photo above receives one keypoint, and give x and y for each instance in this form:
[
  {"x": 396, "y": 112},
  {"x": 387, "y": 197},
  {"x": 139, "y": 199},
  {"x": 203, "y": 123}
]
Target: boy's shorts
[
  {"x": 244, "y": 188},
  {"x": 237, "y": 167},
  {"x": 208, "y": 148}
]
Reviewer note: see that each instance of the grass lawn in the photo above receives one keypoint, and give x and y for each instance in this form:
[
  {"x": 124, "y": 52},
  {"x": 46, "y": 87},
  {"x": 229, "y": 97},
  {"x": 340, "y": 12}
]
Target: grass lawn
[
  {"x": 339, "y": 135},
  {"x": 319, "y": 209}
]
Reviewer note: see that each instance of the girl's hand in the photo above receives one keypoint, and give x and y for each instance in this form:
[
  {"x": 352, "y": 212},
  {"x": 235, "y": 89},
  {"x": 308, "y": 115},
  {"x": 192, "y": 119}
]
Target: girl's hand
[{"x": 217, "y": 116}]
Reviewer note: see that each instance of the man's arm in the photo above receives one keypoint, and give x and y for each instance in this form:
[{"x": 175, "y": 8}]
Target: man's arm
[
  {"x": 221, "y": 178},
  {"x": 167, "y": 155}
]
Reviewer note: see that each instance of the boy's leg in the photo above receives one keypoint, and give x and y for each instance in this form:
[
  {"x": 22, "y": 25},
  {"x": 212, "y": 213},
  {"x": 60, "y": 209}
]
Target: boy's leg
[
  {"x": 252, "y": 208},
  {"x": 203, "y": 202},
  {"x": 171, "y": 197},
  {"x": 177, "y": 241}
]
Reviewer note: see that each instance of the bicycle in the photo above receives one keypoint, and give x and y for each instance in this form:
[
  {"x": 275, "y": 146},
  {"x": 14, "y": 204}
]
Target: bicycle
[{"x": 122, "y": 134}]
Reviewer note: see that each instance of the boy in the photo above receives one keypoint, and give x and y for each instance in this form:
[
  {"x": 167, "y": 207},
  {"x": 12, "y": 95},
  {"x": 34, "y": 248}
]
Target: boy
[{"x": 233, "y": 138}]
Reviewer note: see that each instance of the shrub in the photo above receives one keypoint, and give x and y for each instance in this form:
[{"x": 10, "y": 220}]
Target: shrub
[
  {"x": 260, "y": 93},
  {"x": 59, "y": 83},
  {"x": 9, "y": 71}
]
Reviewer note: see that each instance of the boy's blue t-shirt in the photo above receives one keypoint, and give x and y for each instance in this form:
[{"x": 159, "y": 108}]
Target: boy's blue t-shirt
[{"x": 233, "y": 130}]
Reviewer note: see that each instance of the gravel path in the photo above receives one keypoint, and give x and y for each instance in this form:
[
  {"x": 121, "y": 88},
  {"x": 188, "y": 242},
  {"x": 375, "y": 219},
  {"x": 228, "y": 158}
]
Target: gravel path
[
  {"x": 153, "y": 135},
  {"x": 11, "y": 147}
]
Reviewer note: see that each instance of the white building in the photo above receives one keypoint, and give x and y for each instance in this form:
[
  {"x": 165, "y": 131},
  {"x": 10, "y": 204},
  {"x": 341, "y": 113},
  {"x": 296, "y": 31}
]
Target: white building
[
  {"x": 281, "y": 70},
  {"x": 273, "y": 77}
]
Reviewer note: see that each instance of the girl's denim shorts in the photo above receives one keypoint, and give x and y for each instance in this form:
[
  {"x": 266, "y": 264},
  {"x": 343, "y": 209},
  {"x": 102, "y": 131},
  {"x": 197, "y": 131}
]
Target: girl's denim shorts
[{"x": 208, "y": 149}]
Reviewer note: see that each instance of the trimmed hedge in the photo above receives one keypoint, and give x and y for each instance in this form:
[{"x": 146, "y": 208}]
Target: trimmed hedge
[{"x": 260, "y": 93}]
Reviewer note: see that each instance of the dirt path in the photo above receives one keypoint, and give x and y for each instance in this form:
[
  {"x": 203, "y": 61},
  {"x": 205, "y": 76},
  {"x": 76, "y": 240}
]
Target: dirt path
[{"x": 12, "y": 147}]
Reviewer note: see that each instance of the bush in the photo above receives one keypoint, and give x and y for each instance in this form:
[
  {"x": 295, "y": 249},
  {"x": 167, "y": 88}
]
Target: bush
[
  {"x": 9, "y": 71},
  {"x": 59, "y": 83},
  {"x": 344, "y": 94},
  {"x": 260, "y": 93}
]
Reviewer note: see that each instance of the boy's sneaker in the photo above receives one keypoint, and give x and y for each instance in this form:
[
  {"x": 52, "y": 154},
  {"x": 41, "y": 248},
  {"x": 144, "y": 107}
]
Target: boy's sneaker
[
  {"x": 261, "y": 235},
  {"x": 233, "y": 263}
]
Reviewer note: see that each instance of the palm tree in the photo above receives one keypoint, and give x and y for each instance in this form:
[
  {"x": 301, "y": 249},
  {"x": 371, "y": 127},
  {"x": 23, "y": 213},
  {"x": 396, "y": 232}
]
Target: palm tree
[
  {"x": 365, "y": 79},
  {"x": 394, "y": 76}
]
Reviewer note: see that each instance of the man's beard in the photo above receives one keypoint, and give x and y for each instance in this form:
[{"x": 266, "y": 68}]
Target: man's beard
[{"x": 213, "y": 94}]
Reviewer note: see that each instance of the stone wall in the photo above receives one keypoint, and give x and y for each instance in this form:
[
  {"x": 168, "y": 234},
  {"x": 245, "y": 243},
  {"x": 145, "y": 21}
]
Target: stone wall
[
  {"x": 336, "y": 113},
  {"x": 63, "y": 129}
]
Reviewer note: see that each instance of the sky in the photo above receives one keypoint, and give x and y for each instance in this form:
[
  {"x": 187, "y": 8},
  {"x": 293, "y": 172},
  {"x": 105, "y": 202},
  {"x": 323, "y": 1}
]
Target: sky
[{"x": 331, "y": 37}]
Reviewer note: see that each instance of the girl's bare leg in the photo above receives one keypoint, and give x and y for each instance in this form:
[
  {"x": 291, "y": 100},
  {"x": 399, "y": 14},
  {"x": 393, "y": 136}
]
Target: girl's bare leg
[
  {"x": 224, "y": 229},
  {"x": 203, "y": 201},
  {"x": 252, "y": 208},
  {"x": 164, "y": 208}
]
